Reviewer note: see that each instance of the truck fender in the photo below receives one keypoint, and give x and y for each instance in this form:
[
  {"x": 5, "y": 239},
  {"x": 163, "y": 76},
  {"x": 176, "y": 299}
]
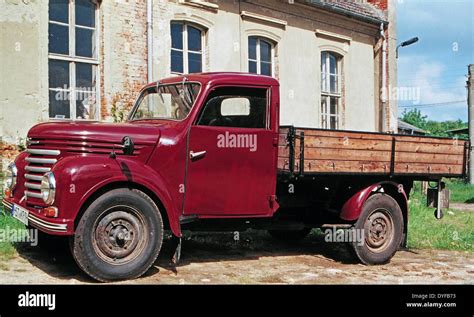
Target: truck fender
[
  {"x": 92, "y": 174},
  {"x": 352, "y": 208}
]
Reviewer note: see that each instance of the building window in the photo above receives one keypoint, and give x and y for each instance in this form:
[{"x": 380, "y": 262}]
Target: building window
[
  {"x": 330, "y": 90},
  {"x": 73, "y": 59},
  {"x": 186, "y": 48},
  {"x": 261, "y": 56}
]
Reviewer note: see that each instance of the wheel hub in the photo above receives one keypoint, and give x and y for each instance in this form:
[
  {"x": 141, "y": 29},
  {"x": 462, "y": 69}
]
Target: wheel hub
[
  {"x": 379, "y": 230},
  {"x": 119, "y": 235}
]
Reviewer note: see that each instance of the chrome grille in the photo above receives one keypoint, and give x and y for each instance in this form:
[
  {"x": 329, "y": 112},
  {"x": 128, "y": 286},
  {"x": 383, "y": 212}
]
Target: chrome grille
[{"x": 40, "y": 162}]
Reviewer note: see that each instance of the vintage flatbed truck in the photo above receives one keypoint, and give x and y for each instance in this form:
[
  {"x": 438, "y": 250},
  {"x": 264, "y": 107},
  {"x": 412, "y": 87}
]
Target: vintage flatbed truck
[{"x": 207, "y": 152}]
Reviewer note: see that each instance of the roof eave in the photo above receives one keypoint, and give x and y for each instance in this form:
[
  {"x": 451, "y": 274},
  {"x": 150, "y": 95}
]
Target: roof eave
[{"x": 347, "y": 13}]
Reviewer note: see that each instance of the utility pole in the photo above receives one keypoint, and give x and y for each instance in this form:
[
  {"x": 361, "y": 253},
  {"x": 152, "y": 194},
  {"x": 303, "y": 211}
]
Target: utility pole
[{"x": 470, "y": 103}]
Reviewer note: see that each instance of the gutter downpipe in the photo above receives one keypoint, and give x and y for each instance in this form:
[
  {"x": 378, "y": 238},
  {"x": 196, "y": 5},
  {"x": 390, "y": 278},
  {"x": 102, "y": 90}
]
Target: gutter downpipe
[
  {"x": 383, "y": 93},
  {"x": 149, "y": 32}
]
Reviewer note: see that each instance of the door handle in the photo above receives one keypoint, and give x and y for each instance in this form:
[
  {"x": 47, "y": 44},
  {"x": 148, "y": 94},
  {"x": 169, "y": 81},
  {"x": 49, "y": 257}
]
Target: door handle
[{"x": 196, "y": 155}]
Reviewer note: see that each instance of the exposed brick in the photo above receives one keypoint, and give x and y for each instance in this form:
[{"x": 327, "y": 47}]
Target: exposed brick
[{"x": 381, "y": 4}]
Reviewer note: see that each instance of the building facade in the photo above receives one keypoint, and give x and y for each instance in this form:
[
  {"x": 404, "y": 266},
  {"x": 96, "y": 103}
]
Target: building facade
[{"x": 87, "y": 59}]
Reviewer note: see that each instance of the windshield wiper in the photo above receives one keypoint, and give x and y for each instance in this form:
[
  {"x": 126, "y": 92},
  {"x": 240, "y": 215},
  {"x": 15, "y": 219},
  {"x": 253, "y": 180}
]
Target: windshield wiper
[
  {"x": 188, "y": 97},
  {"x": 158, "y": 84}
]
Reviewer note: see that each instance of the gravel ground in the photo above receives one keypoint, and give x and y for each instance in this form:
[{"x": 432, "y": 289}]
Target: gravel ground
[{"x": 255, "y": 259}]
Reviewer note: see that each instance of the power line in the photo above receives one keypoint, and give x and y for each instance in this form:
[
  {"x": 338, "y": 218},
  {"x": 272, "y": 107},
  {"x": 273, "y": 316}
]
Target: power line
[{"x": 433, "y": 104}]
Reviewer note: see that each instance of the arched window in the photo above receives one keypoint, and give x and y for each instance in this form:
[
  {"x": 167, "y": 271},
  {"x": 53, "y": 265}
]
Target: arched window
[
  {"x": 261, "y": 56},
  {"x": 330, "y": 90},
  {"x": 73, "y": 65},
  {"x": 187, "y": 42}
]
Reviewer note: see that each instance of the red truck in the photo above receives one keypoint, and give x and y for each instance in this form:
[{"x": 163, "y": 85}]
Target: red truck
[{"x": 206, "y": 152}]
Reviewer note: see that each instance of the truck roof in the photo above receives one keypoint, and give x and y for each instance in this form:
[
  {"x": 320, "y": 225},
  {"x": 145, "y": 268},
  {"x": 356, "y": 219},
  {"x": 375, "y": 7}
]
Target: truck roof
[{"x": 222, "y": 78}]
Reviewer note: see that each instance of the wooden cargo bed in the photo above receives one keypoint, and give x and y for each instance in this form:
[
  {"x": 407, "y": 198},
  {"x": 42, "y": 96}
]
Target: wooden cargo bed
[{"x": 349, "y": 152}]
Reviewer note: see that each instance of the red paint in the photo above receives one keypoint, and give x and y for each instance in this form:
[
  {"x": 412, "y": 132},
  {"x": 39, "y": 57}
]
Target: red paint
[
  {"x": 352, "y": 208},
  {"x": 242, "y": 185}
]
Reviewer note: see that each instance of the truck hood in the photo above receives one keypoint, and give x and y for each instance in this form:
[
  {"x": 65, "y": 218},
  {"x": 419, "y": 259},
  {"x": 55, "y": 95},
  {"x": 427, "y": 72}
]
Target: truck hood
[{"x": 142, "y": 134}]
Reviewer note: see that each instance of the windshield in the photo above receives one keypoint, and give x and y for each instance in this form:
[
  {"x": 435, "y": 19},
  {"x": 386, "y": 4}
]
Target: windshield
[{"x": 172, "y": 102}]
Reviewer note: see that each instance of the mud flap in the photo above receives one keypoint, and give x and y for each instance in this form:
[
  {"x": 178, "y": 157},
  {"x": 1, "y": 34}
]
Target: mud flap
[{"x": 177, "y": 250}]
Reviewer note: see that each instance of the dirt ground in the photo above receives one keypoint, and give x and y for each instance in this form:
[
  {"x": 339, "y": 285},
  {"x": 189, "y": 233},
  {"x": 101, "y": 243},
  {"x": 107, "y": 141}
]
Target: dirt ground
[
  {"x": 462, "y": 206},
  {"x": 216, "y": 258}
]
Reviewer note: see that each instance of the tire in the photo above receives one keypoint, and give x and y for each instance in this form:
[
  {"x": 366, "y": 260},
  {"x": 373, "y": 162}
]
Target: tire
[
  {"x": 290, "y": 235},
  {"x": 119, "y": 236},
  {"x": 382, "y": 222}
]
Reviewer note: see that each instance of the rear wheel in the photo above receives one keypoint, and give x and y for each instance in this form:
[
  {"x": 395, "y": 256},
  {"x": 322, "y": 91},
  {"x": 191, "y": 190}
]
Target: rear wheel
[
  {"x": 290, "y": 235},
  {"x": 382, "y": 223},
  {"x": 119, "y": 236}
]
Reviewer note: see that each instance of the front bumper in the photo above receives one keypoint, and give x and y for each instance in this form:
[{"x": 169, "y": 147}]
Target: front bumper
[{"x": 36, "y": 220}]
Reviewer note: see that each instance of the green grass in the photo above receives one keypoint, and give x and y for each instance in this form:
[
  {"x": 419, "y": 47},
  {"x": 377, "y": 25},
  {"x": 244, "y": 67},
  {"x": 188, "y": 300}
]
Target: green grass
[
  {"x": 7, "y": 248},
  {"x": 461, "y": 192},
  {"x": 455, "y": 231}
]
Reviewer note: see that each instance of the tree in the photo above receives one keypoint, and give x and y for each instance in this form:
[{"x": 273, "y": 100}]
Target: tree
[
  {"x": 434, "y": 128},
  {"x": 415, "y": 118}
]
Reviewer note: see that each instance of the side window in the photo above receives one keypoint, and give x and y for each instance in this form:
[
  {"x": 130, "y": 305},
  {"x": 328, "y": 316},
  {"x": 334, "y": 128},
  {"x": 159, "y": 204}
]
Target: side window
[{"x": 235, "y": 107}]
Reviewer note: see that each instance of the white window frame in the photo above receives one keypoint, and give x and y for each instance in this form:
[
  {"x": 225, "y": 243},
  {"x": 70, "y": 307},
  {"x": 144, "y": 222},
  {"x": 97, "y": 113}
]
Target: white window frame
[
  {"x": 327, "y": 95},
  {"x": 185, "y": 49},
  {"x": 258, "y": 60},
  {"x": 73, "y": 59}
]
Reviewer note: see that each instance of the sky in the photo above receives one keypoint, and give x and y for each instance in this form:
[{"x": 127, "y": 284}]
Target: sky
[{"x": 434, "y": 70}]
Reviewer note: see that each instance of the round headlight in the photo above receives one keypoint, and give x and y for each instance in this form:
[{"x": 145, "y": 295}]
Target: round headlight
[
  {"x": 11, "y": 176},
  {"x": 48, "y": 188}
]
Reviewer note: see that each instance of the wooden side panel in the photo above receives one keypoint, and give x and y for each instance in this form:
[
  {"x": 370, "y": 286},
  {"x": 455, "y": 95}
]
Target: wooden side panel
[
  {"x": 415, "y": 155},
  {"x": 346, "y": 152},
  {"x": 329, "y": 151}
]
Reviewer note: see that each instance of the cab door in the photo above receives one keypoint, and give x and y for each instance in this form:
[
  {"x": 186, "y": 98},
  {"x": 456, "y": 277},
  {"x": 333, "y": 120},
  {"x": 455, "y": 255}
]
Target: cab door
[{"x": 231, "y": 166}]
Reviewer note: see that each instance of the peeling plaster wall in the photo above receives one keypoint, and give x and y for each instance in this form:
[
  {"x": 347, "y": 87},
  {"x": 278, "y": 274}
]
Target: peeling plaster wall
[
  {"x": 123, "y": 53},
  {"x": 23, "y": 62}
]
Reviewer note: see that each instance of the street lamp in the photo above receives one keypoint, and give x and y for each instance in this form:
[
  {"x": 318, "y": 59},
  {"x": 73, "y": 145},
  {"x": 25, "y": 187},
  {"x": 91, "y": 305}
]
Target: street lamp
[{"x": 406, "y": 43}]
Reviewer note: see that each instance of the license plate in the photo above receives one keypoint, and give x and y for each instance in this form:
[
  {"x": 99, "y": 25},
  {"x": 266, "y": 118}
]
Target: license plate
[{"x": 20, "y": 213}]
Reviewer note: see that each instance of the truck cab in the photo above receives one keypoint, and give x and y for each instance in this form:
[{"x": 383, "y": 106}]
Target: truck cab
[{"x": 195, "y": 146}]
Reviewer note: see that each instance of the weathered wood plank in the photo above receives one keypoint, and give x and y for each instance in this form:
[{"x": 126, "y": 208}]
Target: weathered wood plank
[
  {"x": 347, "y": 154},
  {"x": 410, "y": 147},
  {"x": 405, "y": 157},
  {"x": 428, "y": 168},
  {"x": 333, "y": 166}
]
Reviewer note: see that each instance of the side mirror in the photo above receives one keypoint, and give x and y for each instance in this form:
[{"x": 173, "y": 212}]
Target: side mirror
[{"x": 128, "y": 147}]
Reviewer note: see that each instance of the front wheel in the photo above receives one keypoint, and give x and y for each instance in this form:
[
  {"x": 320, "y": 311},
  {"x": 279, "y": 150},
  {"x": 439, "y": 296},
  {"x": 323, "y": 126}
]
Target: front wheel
[
  {"x": 119, "y": 236},
  {"x": 381, "y": 221}
]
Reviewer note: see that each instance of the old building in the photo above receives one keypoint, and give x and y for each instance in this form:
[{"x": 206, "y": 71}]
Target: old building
[{"x": 87, "y": 59}]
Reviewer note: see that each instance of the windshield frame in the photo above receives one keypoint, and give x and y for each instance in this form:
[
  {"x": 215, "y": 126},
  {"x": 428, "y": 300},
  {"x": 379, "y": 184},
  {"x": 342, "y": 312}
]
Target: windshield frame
[{"x": 144, "y": 90}]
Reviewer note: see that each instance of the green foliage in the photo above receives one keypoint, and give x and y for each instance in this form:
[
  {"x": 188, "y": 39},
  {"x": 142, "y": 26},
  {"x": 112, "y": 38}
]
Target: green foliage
[
  {"x": 455, "y": 231},
  {"x": 118, "y": 113},
  {"x": 7, "y": 249},
  {"x": 461, "y": 192},
  {"x": 21, "y": 144},
  {"x": 434, "y": 128}
]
